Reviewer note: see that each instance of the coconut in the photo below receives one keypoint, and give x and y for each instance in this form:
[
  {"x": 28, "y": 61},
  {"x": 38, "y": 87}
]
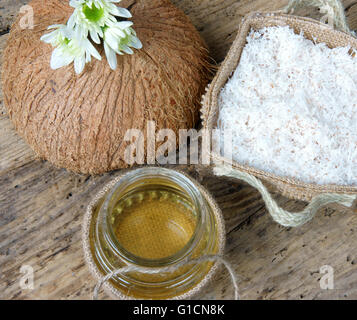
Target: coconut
[{"x": 79, "y": 122}]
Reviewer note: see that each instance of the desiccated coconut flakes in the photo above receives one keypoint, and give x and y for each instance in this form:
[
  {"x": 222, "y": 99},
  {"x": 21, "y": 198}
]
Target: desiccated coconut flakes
[{"x": 291, "y": 107}]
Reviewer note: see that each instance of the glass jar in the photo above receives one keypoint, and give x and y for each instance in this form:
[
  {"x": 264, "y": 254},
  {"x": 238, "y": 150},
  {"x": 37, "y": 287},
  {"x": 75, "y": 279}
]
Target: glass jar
[{"x": 153, "y": 218}]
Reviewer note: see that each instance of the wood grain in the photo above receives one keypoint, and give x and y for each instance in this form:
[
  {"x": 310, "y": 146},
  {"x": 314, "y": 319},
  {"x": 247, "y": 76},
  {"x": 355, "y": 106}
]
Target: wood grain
[
  {"x": 8, "y": 12},
  {"x": 41, "y": 207}
]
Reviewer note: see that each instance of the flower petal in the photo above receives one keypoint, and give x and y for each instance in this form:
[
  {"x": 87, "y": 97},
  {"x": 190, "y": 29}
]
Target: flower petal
[
  {"x": 126, "y": 49},
  {"x": 71, "y": 21},
  {"x": 122, "y": 12},
  {"x": 59, "y": 59},
  {"x": 94, "y": 36},
  {"x": 111, "y": 56},
  {"x": 88, "y": 57},
  {"x": 55, "y": 26},
  {"x": 79, "y": 64},
  {"x": 92, "y": 50},
  {"x": 118, "y": 33},
  {"x": 111, "y": 40},
  {"x": 136, "y": 43},
  {"x": 124, "y": 24},
  {"x": 48, "y": 38}
]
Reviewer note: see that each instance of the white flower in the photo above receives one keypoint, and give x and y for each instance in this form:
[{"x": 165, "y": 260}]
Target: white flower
[
  {"x": 118, "y": 38},
  {"x": 91, "y": 16},
  {"x": 69, "y": 48},
  {"x": 97, "y": 18},
  {"x": 57, "y": 37}
]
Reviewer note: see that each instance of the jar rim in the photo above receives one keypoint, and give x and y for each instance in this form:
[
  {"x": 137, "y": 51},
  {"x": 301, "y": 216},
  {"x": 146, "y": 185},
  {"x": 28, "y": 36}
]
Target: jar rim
[{"x": 173, "y": 176}]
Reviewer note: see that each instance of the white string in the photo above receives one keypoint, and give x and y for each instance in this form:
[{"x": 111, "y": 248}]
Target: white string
[
  {"x": 281, "y": 216},
  {"x": 170, "y": 269}
]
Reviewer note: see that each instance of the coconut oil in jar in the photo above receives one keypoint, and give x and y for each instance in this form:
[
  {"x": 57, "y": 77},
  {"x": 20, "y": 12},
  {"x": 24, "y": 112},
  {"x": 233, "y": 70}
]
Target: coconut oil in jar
[
  {"x": 154, "y": 218},
  {"x": 154, "y": 223}
]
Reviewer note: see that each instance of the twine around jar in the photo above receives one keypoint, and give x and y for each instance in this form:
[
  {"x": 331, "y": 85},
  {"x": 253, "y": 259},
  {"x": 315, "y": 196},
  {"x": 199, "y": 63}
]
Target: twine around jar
[
  {"x": 171, "y": 269},
  {"x": 103, "y": 279}
]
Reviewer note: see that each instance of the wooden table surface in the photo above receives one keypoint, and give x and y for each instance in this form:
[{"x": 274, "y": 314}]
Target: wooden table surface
[{"x": 41, "y": 207}]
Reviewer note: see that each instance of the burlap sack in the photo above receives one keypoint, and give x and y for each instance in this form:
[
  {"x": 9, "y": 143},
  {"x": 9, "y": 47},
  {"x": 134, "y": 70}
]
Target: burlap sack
[{"x": 312, "y": 29}]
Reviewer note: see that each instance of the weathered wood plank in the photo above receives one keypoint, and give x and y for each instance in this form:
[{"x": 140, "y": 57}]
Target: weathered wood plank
[
  {"x": 218, "y": 21},
  {"x": 8, "y": 12},
  {"x": 41, "y": 208},
  {"x": 351, "y": 13},
  {"x": 280, "y": 263}
]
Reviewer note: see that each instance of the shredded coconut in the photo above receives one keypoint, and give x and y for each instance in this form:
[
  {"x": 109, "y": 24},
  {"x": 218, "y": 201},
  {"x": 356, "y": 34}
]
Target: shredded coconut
[{"x": 291, "y": 106}]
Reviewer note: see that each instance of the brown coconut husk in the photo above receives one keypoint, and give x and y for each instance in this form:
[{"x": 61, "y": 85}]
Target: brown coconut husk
[{"x": 78, "y": 121}]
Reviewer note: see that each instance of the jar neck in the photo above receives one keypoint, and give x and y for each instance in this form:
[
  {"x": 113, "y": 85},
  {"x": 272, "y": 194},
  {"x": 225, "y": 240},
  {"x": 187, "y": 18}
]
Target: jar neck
[{"x": 145, "y": 178}]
